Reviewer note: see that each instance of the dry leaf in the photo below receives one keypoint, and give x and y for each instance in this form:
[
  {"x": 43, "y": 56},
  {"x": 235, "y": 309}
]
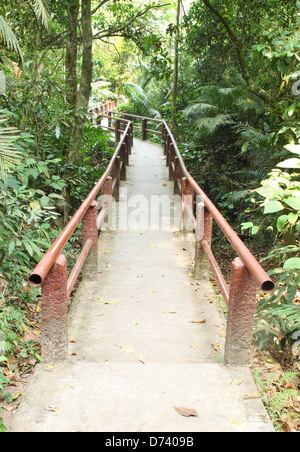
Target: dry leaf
[
  {"x": 255, "y": 395},
  {"x": 186, "y": 412},
  {"x": 152, "y": 245},
  {"x": 52, "y": 408},
  {"x": 236, "y": 382},
  {"x": 125, "y": 348},
  {"x": 107, "y": 252},
  {"x": 165, "y": 185},
  {"x": 234, "y": 422},
  {"x": 199, "y": 321},
  {"x": 110, "y": 302},
  {"x": 216, "y": 346},
  {"x": 194, "y": 346},
  {"x": 141, "y": 359},
  {"x": 16, "y": 395},
  {"x": 191, "y": 275},
  {"x": 169, "y": 312}
]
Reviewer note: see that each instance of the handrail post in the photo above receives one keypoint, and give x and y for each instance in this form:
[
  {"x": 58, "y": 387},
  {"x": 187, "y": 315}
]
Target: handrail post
[
  {"x": 54, "y": 322},
  {"x": 124, "y": 162},
  {"x": 171, "y": 161},
  {"x": 187, "y": 200},
  {"x": 177, "y": 175},
  {"x": 90, "y": 231},
  {"x": 116, "y": 175},
  {"x": 106, "y": 195},
  {"x": 144, "y": 129},
  {"x": 128, "y": 143},
  {"x": 131, "y": 133},
  {"x": 109, "y": 118},
  {"x": 169, "y": 141},
  {"x": 241, "y": 308},
  {"x": 204, "y": 232},
  {"x": 117, "y": 130}
]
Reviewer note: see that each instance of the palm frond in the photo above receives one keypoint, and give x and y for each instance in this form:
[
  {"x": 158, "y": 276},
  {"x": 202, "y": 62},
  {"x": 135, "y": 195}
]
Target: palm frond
[
  {"x": 199, "y": 108},
  {"x": 140, "y": 97},
  {"x": 212, "y": 124},
  {"x": 9, "y": 155},
  {"x": 41, "y": 10},
  {"x": 8, "y": 37}
]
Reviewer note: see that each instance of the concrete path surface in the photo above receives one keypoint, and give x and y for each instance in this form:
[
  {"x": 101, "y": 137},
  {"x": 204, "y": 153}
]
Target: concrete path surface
[{"x": 145, "y": 337}]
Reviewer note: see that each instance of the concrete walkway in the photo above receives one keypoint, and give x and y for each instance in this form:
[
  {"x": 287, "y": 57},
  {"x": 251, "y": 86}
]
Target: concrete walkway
[{"x": 145, "y": 337}]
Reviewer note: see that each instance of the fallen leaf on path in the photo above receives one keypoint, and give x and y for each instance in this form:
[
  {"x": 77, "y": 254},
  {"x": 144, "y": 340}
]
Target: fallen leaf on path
[
  {"x": 194, "y": 346},
  {"x": 152, "y": 245},
  {"x": 107, "y": 252},
  {"x": 191, "y": 275},
  {"x": 52, "y": 408},
  {"x": 255, "y": 395},
  {"x": 186, "y": 412},
  {"x": 141, "y": 359},
  {"x": 110, "y": 302},
  {"x": 216, "y": 346},
  {"x": 8, "y": 408},
  {"x": 236, "y": 382},
  {"x": 50, "y": 367},
  {"x": 165, "y": 185},
  {"x": 125, "y": 348},
  {"x": 16, "y": 395},
  {"x": 199, "y": 321},
  {"x": 234, "y": 422},
  {"x": 169, "y": 312}
]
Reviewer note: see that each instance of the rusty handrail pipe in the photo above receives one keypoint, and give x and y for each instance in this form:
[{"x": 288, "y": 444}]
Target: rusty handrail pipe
[
  {"x": 43, "y": 268},
  {"x": 265, "y": 283}
]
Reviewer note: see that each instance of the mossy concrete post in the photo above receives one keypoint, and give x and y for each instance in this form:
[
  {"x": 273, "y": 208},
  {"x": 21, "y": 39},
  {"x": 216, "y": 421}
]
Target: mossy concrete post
[
  {"x": 204, "y": 232},
  {"x": 241, "y": 309},
  {"x": 90, "y": 231},
  {"x": 54, "y": 321}
]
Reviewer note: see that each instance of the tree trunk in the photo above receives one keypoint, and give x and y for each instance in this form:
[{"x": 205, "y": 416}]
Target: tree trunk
[
  {"x": 71, "y": 53},
  {"x": 82, "y": 99},
  {"x": 176, "y": 64}
]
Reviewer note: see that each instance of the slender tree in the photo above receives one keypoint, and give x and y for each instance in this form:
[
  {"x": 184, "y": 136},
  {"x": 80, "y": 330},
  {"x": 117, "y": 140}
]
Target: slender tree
[{"x": 176, "y": 67}]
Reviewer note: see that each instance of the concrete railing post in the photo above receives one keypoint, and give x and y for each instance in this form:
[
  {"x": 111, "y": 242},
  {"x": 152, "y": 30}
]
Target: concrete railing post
[
  {"x": 187, "y": 200},
  {"x": 54, "y": 322},
  {"x": 107, "y": 196},
  {"x": 116, "y": 175},
  {"x": 144, "y": 129},
  {"x": 177, "y": 175},
  {"x": 171, "y": 161},
  {"x": 123, "y": 156},
  {"x": 241, "y": 308},
  {"x": 203, "y": 232},
  {"x": 90, "y": 231},
  {"x": 117, "y": 130}
]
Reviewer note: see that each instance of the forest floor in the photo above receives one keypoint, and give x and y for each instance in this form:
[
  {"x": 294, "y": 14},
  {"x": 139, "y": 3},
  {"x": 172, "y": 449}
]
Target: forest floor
[{"x": 276, "y": 370}]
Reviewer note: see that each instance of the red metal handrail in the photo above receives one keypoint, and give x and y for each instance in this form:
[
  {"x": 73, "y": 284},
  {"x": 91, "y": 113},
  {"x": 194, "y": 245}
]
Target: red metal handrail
[
  {"x": 246, "y": 272},
  {"x": 43, "y": 268},
  {"x": 265, "y": 283},
  {"x": 259, "y": 274}
]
